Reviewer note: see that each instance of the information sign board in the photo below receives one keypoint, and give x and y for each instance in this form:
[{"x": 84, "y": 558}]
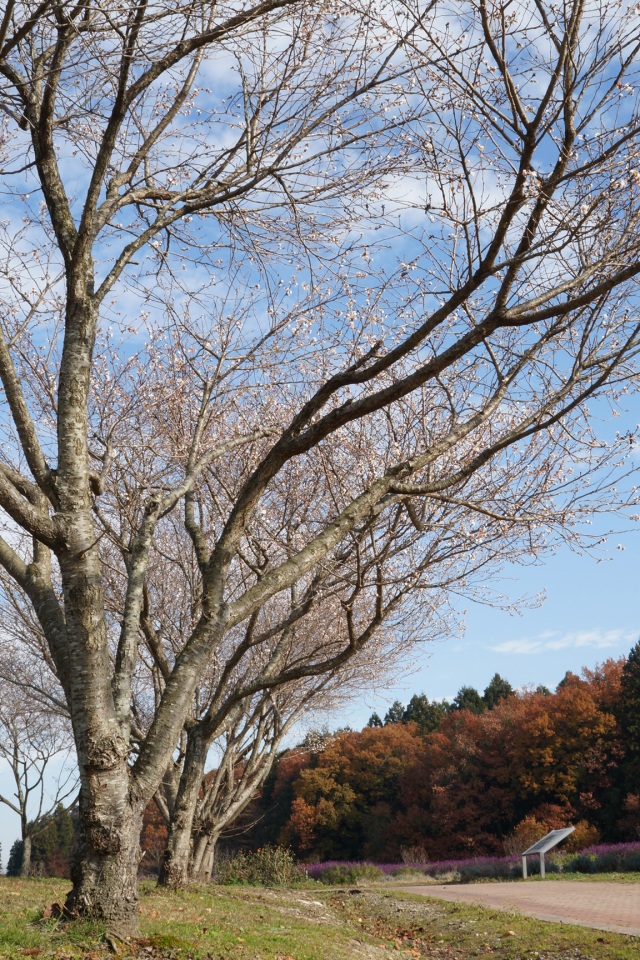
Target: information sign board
[
  {"x": 549, "y": 841},
  {"x": 543, "y": 845}
]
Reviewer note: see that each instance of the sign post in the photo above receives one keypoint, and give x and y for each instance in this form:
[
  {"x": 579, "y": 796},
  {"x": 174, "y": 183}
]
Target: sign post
[{"x": 543, "y": 846}]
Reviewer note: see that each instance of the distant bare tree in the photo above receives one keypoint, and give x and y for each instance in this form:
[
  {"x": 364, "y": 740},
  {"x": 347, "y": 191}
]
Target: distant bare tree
[{"x": 37, "y": 747}]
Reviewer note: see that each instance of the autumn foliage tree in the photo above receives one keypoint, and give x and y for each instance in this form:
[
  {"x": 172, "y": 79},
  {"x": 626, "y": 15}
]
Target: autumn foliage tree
[
  {"x": 153, "y": 839},
  {"x": 345, "y": 799},
  {"x": 532, "y": 763},
  {"x": 548, "y": 757},
  {"x": 328, "y": 288}
]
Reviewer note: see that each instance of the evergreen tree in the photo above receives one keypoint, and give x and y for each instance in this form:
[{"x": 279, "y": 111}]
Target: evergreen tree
[
  {"x": 395, "y": 713},
  {"x": 15, "y": 859},
  {"x": 51, "y": 845},
  {"x": 468, "y": 698},
  {"x": 428, "y": 714},
  {"x": 375, "y": 721},
  {"x": 498, "y": 689},
  {"x": 629, "y": 709},
  {"x": 569, "y": 678}
]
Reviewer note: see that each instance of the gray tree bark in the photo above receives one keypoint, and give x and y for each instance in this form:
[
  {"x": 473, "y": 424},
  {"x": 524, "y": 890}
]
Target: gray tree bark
[
  {"x": 25, "y": 867},
  {"x": 204, "y": 847},
  {"x": 176, "y": 866},
  {"x": 105, "y": 868}
]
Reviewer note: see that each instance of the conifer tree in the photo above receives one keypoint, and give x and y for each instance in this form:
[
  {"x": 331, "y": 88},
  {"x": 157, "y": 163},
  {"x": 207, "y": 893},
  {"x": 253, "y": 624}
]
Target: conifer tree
[{"x": 498, "y": 689}]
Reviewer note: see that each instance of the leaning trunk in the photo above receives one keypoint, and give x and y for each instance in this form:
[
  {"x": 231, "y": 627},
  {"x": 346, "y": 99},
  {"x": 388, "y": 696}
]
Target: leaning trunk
[
  {"x": 200, "y": 843},
  {"x": 175, "y": 872}
]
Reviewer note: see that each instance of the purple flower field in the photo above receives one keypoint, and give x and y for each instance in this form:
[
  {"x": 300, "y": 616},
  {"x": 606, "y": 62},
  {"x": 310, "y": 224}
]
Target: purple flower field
[
  {"x": 490, "y": 866},
  {"x": 619, "y": 849},
  {"x": 600, "y": 858}
]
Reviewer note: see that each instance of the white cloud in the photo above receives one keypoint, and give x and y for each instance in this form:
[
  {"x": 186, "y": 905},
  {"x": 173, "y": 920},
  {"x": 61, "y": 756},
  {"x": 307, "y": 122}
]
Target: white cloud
[{"x": 551, "y": 640}]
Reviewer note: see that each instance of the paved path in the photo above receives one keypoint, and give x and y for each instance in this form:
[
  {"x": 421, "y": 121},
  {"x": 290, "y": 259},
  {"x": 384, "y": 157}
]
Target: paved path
[{"x": 605, "y": 906}]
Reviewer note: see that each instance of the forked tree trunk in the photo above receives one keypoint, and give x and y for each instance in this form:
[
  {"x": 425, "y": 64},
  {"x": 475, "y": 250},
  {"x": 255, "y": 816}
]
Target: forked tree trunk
[
  {"x": 204, "y": 857},
  {"x": 105, "y": 865},
  {"x": 176, "y": 864}
]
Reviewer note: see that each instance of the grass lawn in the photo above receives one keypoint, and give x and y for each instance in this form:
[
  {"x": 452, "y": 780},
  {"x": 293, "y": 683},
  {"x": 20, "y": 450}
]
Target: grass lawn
[{"x": 243, "y": 923}]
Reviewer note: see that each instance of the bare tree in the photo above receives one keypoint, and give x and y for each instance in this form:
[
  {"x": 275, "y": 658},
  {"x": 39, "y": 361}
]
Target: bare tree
[
  {"x": 200, "y": 806},
  {"x": 247, "y": 756},
  {"x": 337, "y": 282},
  {"x": 300, "y": 650},
  {"x": 244, "y": 756},
  {"x": 37, "y": 747}
]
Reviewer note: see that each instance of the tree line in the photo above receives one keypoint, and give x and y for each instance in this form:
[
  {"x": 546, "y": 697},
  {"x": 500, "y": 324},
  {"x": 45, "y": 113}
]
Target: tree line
[
  {"x": 463, "y": 779},
  {"x": 485, "y": 774},
  {"x": 429, "y": 714}
]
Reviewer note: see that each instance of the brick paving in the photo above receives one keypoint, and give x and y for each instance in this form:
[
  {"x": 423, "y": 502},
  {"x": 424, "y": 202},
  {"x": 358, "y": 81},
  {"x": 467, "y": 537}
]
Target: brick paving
[{"x": 594, "y": 903}]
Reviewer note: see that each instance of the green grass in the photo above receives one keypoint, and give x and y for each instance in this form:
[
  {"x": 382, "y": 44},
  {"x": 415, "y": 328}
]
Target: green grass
[
  {"x": 21, "y": 928},
  {"x": 221, "y": 923},
  {"x": 244, "y": 923}
]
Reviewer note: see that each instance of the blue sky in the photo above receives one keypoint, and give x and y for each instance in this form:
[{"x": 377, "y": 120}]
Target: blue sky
[{"x": 589, "y": 615}]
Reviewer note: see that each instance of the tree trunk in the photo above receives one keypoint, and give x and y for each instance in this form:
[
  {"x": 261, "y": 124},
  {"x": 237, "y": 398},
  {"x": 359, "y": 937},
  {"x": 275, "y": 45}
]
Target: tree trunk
[
  {"x": 175, "y": 872},
  {"x": 209, "y": 858},
  {"x": 25, "y": 868},
  {"x": 105, "y": 866},
  {"x": 203, "y": 857}
]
